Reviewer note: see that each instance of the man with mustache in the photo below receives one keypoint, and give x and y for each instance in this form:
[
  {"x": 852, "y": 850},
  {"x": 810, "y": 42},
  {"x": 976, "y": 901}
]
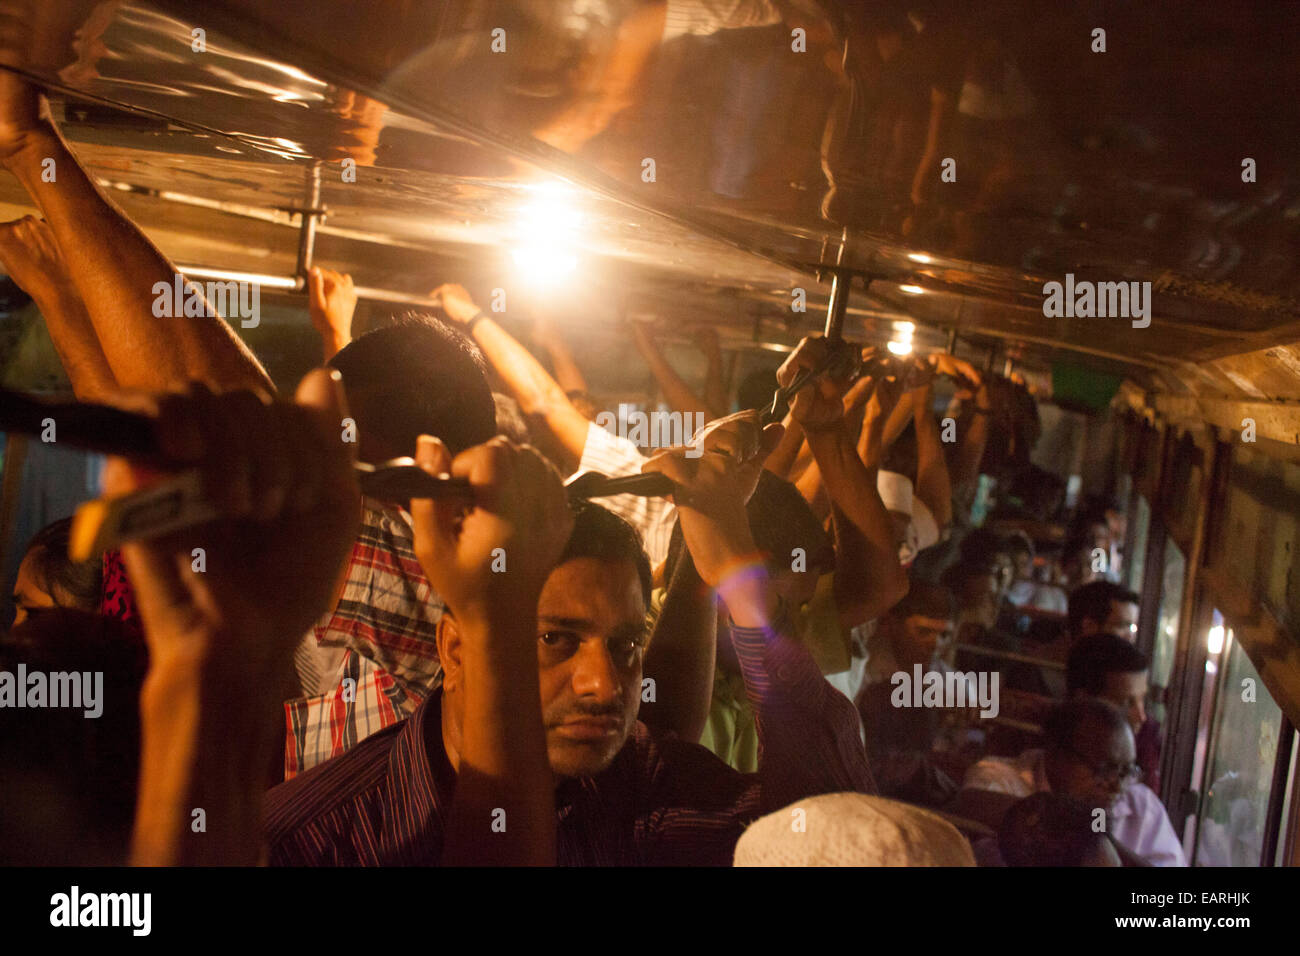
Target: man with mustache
[{"x": 531, "y": 752}]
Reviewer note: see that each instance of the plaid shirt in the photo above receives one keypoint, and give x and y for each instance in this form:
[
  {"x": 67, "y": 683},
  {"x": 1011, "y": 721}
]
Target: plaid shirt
[
  {"x": 375, "y": 658},
  {"x": 615, "y": 456}
]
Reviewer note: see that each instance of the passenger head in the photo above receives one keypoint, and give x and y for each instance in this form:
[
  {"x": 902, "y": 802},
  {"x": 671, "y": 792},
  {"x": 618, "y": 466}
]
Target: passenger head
[
  {"x": 510, "y": 420},
  {"x": 977, "y": 588},
  {"x": 1103, "y": 607},
  {"x": 1111, "y": 668},
  {"x": 1089, "y": 752},
  {"x": 47, "y": 577},
  {"x": 783, "y": 527},
  {"x": 591, "y": 623},
  {"x": 415, "y": 376},
  {"x": 1046, "y": 829},
  {"x": 68, "y": 780},
  {"x": 985, "y": 549},
  {"x": 1021, "y": 550},
  {"x": 920, "y": 626}
]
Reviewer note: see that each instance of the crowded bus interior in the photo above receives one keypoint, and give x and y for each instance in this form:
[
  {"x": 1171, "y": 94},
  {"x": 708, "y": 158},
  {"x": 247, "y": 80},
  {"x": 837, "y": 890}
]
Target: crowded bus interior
[{"x": 649, "y": 432}]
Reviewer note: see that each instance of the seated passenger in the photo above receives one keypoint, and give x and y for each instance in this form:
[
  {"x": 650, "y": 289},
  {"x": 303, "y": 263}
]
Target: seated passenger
[
  {"x": 901, "y": 740},
  {"x": 1048, "y": 830},
  {"x": 1088, "y": 756},
  {"x": 1111, "y": 668},
  {"x": 47, "y": 578}
]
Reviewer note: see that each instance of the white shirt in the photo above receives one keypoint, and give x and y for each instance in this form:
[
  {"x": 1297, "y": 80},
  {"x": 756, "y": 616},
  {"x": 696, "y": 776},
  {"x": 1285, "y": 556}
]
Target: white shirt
[
  {"x": 613, "y": 456},
  {"x": 1138, "y": 819}
]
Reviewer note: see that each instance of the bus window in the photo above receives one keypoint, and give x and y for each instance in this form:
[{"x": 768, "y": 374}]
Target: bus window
[
  {"x": 1135, "y": 552},
  {"x": 1238, "y": 770},
  {"x": 1166, "y": 641}
]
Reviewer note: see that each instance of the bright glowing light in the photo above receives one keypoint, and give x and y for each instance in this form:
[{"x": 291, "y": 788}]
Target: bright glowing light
[
  {"x": 911, "y": 289},
  {"x": 545, "y": 230},
  {"x": 920, "y": 257},
  {"x": 1214, "y": 639},
  {"x": 542, "y": 265},
  {"x": 900, "y": 348},
  {"x": 905, "y": 329}
]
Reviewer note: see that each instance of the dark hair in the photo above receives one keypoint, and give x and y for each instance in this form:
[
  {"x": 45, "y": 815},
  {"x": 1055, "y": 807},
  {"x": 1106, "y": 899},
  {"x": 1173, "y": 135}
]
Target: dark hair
[
  {"x": 599, "y": 533},
  {"x": 418, "y": 375},
  {"x": 780, "y": 520},
  {"x": 1018, "y": 541},
  {"x": 981, "y": 545},
  {"x": 1093, "y": 657},
  {"x": 57, "y": 761},
  {"x": 926, "y": 600},
  {"x": 1060, "y": 729},
  {"x": 1046, "y": 829},
  {"x": 75, "y": 584},
  {"x": 509, "y": 419},
  {"x": 1091, "y": 602}
]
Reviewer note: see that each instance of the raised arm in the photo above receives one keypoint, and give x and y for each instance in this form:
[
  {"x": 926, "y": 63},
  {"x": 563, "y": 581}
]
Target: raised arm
[
  {"x": 679, "y": 395},
  {"x": 331, "y": 300},
  {"x": 31, "y": 258},
  {"x": 868, "y": 577},
  {"x": 682, "y": 654},
  {"x": 520, "y": 509},
  {"x": 529, "y": 383},
  {"x": 221, "y": 641},
  {"x": 567, "y": 372},
  {"x": 808, "y": 730},
  {"x": 114, "y": 267},
  {"x": 933, "y": 485}
]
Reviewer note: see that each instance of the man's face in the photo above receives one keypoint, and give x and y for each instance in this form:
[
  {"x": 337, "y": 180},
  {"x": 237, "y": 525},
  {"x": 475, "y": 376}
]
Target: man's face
[
  {"x": 1128, "y": 692},
  {"x": 1024, "y": 565},
  {"x": 1096, "y": 768},
  {"x": 591, "y": 634},
  {"x": 917, "y": 638},
  {"x": 1122, "y": 620},
  {"x": 28, "y": 595}
]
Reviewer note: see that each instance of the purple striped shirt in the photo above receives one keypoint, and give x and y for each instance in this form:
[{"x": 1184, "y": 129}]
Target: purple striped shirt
[{"x": 661, "y": 802}]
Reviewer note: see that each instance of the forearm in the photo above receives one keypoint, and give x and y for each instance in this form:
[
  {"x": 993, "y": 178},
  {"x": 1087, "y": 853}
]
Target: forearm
[
  {"x": 677, "y": 393},
  {"x": 78, "y": 349},
  {"x": 783, "y": 459},
  {"x": 567, "y": 372},
  {"x": 852, "y": 486},
  {"x": 531, "y": 386},
  {"x": 933, "y": 485},
  {"x": 115, "y": 268},
  {"x": 970, "y": 450},
  {"x": 205, "y": 744},
  {"x": 503, "y": 765},
  {"x": 808, "y": 731},
  {"x": 682, "y": 654}
]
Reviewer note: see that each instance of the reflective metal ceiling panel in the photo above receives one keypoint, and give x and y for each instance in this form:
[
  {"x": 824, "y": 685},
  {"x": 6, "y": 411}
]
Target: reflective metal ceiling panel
[{"x": 774, "y": 128}]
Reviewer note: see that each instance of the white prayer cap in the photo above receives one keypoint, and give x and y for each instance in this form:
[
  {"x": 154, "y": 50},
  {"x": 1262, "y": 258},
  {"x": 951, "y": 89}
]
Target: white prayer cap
[
  {"x": 895, "y": 490},
  {"x": 852, "y": 829}
]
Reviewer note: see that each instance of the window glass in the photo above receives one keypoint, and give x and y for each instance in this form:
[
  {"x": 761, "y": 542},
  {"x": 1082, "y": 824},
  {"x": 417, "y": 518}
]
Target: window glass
[
  {"x": 1166, "y": 641},
  {"x": 1239, "y": 771},
  {"x": 1135, "y": 551}
]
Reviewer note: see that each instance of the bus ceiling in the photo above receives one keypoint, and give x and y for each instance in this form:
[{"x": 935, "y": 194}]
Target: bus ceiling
[{"x": 1060, "y": 194}]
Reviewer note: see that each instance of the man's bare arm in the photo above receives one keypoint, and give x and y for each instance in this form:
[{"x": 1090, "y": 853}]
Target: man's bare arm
[
  {"x": 933, "y": 485},
  {"x": 680, "y": 396},
  {"x": 31, "y": 257},
  {"x": 682, "y": 654},
  {"x": 529, "y": 383},
  {"x": 115, "y": 267}
]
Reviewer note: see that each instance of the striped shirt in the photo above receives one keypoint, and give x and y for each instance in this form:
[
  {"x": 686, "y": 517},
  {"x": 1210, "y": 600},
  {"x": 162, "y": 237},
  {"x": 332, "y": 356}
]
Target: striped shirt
[
  {"x": 662, "y": 801},
  {"x": 614, "y": 456}
]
